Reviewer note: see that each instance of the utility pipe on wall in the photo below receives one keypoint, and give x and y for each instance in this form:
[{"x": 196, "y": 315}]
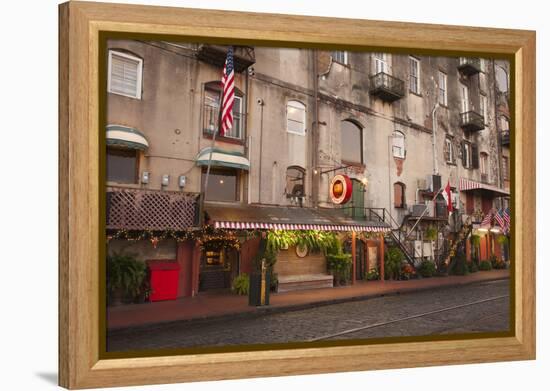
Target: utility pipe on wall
[{"x": 434, "y": 129}]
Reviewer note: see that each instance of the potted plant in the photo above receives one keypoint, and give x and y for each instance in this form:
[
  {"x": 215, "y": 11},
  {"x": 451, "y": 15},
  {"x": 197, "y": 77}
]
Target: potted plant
[
  {"x": 431, "y": 233},
  {"x": 125, "y": 276},
  {"x": 393, "y": 259}
]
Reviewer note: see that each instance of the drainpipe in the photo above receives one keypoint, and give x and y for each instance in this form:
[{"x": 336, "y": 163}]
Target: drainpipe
[
  {"x": 261, "y": 103},
  {"x": 499, "y": 134},
  {"x": 315, "y": 133},
  {"x": 434, "y": 129},
  {"x": 247, "y": 145}
]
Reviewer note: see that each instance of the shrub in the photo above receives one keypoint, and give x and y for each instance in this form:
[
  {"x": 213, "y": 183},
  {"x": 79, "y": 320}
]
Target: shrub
[
  {"x": 340, "y": 267},
  {"x": 426, "y": 268},
  {"x": 393, "y": 258},
  {"x": 125, "y": 275},
  {"x": 459, "y": 266},
  {"x": 274, "y": 282},
  {"x": 472, "y": 267},
  {"x": 431, "y": 233},
  {"x": 407, "y": 271},
  {"x": 241, "y": 284},
  {"x": 485, "y": 265},
  {"x": 372, "y": 275},
  {"x": 498, "y": 264}
]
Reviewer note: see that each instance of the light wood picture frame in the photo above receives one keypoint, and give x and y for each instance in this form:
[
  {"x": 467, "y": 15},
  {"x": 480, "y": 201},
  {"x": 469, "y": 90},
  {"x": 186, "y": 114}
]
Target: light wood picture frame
[{"x": 81, "y": 204}]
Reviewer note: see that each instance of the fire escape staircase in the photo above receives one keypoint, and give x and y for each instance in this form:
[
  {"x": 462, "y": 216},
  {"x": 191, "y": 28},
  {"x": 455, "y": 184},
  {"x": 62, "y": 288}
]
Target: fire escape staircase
[{"x": 397, "y": 234}]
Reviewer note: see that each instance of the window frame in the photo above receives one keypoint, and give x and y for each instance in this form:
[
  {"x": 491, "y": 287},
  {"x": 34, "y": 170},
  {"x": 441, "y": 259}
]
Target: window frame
[
  {"x": 401, "y": 135},
  {"x": 449, "y": 147},
  {"x": 467, "y": 150},
  {"x": 213, "y": 170},
  {"x": 215, "y": 86},
  {"x": 139, "y": 76},
  {"x": 402, "y": 188},
  {"x": 384, "y": 60},
  {"x": 135, "y": 156},
  {"x": 504, "y": 120},
  {"x": 464, "y": 98},
  {"x": 302, "y": 170},
  {"x": 483, "y": 105},
  {"x": 335, "y": 56},
  {"x": 484, "y": 163},
  {"x": 360, "y": 129},
  {"x": 304, "y": 114},
  {"x": 505, "y": 168},
  {"x": 416, "y": 77},
  {"x": 442, "y": 79}
]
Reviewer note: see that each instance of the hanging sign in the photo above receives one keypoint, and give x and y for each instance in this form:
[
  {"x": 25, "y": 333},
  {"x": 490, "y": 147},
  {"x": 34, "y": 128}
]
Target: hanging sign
[{"x": 340, "y": 189}]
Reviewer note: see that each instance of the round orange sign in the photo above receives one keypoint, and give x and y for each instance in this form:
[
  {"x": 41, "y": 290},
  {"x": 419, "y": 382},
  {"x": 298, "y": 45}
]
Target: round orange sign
[{"x": 340, "y": 189}]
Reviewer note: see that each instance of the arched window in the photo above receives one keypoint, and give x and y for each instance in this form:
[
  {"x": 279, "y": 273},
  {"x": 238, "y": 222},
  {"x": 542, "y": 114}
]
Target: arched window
[
  {"x": 352, "y": 143},
  {"x": 484, "y": 166},
  {"x": 398, "y": 144},
  {"x": 504, "y": 123},
  {"x": 211, "y": 111},
  {"x": 296, "y": 117},
  {"x": 399, "y": 195},
  {"x": 295, "y": 178},
  {"x": 501, "y": 78}
]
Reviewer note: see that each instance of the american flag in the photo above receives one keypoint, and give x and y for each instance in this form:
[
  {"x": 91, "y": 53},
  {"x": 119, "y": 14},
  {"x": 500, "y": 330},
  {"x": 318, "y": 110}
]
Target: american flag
[
  {"x": 228, "y": 93},
  {"x": 506, "y": 217},
  {"x": 488, "y": 219},
  {"x": 500, "y": 220}
]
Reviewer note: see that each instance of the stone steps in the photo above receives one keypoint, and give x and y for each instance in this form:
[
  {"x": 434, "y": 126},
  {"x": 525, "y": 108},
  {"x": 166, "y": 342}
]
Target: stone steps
[{"x": 304, "y": 282}]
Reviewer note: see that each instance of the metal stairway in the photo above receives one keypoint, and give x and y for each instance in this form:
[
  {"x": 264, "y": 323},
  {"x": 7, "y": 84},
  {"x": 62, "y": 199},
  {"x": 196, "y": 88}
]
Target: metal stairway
[{"x": 396, "y": 235}]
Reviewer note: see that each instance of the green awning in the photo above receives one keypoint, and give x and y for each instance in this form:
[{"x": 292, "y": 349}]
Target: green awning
[
  {"x": 222, "y": 158},
  {"x": 126, "y": 137}
]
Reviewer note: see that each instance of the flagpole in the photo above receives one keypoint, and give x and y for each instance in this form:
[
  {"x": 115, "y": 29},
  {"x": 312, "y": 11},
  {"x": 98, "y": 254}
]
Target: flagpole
[
  {"x": 422, "y": 215},
  {"x": 220, "y": 119},
  {"x": 205, "y": 187}
]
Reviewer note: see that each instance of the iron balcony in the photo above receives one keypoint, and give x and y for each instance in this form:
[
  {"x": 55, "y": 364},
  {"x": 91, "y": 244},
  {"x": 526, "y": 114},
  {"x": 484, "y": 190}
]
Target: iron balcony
[
  {"x": 505, "y": 138},
  {"x": 469, "y": 65},
  {"x": 386, "y": 87},
  {"x": 243, "y": 56},
  {"x": 472, "y": 121}
]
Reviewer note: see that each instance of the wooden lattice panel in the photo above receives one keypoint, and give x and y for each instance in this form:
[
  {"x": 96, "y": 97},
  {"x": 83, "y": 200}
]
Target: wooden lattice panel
[{"x": 137, "y": 209}]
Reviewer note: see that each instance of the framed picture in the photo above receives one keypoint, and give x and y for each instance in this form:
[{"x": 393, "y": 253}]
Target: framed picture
[{"x": 296, "y": 194}]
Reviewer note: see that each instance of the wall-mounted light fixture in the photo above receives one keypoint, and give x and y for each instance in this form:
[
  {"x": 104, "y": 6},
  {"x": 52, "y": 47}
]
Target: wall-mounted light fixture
[{"x": 165, "y": 180}]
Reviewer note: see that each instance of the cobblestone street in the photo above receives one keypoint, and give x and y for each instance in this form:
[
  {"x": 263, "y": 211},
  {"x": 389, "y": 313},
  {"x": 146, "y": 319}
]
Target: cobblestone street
[{"x": 482, "y": 307}]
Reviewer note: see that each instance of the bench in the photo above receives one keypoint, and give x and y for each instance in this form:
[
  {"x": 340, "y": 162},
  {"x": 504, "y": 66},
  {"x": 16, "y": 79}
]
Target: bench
[{"x": 304, "y": 281}]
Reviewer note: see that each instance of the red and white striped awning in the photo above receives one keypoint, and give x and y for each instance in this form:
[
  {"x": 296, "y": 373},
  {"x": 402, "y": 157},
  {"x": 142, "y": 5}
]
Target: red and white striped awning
[
  {"x": 298, "y": 227},
  {"x": 469, "y": 185}
]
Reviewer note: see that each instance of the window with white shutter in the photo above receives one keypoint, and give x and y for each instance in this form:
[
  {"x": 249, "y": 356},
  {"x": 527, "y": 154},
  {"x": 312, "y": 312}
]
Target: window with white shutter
[
  {"x": 124, "y": 76},
  {"x": 398, "y": 145},
  {"x": 296, "y": 117}
]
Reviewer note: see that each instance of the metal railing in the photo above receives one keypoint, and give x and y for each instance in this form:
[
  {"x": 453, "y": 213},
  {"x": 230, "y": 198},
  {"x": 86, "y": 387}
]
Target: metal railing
[
  {"x": 386, "y": 86},
  {"x": 469, "y": 65},
  {"x": 505, "y": 137},
  {"x": 472, "y": 121}
]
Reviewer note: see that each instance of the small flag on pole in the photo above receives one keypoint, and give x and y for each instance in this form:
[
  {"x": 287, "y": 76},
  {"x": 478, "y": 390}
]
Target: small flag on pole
[
  {"x": 228, "y": 94},
  {"x": 446, "y": 193},
  {"x": 500, "y": 220},
  {"x": 506, "y": 218},
  {"x": 488, "y": 219}
]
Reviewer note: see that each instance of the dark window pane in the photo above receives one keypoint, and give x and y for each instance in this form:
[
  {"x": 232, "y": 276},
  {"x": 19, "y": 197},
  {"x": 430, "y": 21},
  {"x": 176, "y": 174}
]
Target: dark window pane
[
  {"x": 222, "y": 185},
  {"x": 295, "y": 182},
  {"x": 351, "y": 143},
  {"x": 121, "y": 165}
]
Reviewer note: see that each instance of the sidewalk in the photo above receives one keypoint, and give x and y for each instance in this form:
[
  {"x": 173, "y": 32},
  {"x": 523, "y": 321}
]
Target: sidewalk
[{"x": 207, "y": 305}]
